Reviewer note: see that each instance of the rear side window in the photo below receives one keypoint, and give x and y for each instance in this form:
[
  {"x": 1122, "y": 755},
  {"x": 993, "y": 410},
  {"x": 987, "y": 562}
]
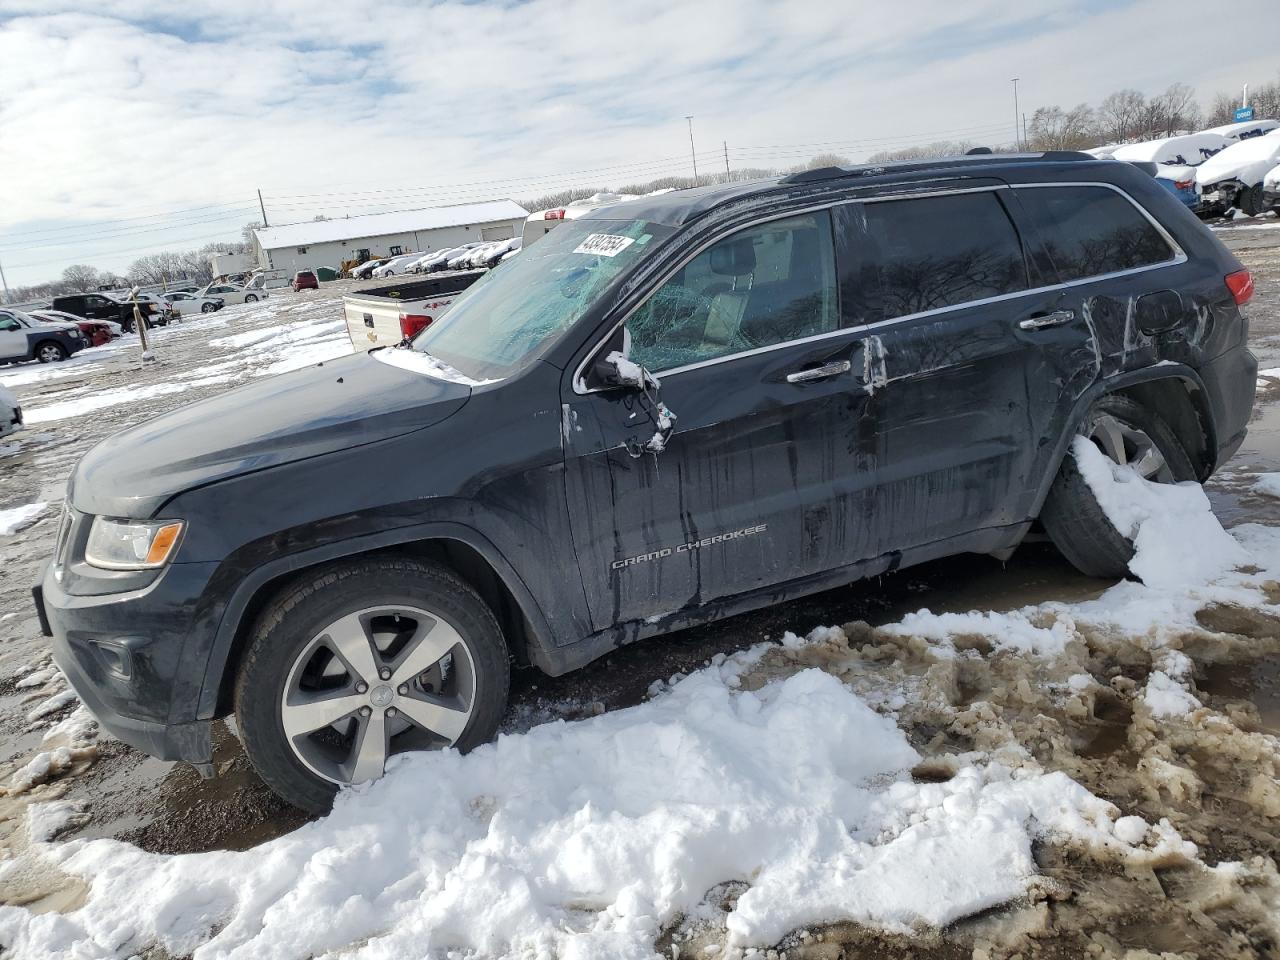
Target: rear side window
[
  {"x": 1090, "y": 231},
  {"x": 934, "y": 252}
]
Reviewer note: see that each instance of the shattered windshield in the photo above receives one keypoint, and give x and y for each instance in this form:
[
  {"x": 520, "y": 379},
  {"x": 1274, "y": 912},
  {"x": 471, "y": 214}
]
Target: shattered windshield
[{"x": 515, "y": 312}]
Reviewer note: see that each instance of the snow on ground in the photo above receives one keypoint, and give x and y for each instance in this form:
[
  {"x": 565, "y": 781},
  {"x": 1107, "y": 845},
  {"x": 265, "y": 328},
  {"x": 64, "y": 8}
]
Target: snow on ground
[
  {"x": 14, "y": 519},
  {"x": 1268, "y": 484},
  {"x": 785, "y": 769}
]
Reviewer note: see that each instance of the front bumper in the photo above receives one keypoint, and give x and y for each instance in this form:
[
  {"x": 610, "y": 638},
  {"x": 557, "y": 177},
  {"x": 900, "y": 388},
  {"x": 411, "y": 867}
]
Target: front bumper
[{"x": 129, "y": 658}]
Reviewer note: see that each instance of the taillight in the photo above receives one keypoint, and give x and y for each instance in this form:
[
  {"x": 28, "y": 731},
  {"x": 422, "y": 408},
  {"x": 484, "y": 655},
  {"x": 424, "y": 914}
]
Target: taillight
[
  {"x": 1240, "y": 284},
  {"x": 411, "y": 324},
  {"x": 1184, "y": 184},
  {"x": 553, "y": 215}
]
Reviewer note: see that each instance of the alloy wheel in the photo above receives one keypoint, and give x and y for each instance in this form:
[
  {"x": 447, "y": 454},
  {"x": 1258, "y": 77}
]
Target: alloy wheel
[
  {"x": 374, "y": 683},
  {"x": 49, "y": 353},
  {"x": 1128, "y": 445}
]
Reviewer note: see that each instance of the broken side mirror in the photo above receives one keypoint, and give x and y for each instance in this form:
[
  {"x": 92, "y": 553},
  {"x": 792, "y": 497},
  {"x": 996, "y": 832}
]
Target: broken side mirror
[{"x": 613, "y": 368}]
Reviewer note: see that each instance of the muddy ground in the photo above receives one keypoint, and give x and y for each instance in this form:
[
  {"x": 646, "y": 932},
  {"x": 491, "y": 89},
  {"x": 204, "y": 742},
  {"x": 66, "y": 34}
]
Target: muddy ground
[{"x": 1086, "y": 906}]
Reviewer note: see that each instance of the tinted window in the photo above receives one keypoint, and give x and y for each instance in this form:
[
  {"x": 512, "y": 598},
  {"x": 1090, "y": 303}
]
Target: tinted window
[
  {"x": 1089, "y": 231},
  {"x": 761, "y": 286},
  {"x": 919, "y": 255}
]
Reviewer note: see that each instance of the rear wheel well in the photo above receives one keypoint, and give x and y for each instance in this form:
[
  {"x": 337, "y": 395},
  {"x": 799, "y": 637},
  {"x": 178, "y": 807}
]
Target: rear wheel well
[
  {"x": 464, "y": 560},
  {"x": 1182, "y": 405}
]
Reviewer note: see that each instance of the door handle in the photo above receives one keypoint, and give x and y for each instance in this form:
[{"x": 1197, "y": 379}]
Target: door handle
[
  {"x": 1041, "y": 320},
  {"x": 820, "y": 373}
]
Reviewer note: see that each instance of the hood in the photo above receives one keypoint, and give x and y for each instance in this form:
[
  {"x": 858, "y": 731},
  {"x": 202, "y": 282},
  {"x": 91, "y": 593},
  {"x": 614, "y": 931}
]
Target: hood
[
  {"x": 332, "y": 406},
  {"x": 57, "y": 324},
  {"x": 1246, "y": 161}
]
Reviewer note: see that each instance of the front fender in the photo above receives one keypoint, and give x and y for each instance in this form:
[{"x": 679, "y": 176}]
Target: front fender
[
  {"x": 1161, "y": 371},
  {"x": 540, "y": 640}
]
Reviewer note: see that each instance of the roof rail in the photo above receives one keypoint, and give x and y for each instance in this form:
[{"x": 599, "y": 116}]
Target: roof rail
[{"x": 969, "y": 159}]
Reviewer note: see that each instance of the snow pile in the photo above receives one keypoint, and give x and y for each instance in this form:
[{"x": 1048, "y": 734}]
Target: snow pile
[
  {"x": 584, "y": 839},
  {"x": 46, "y": 820},
  {"x": 1267, "y": 484},
  {"x": 1162, "y": 520},
  {"x": 90, "y": 403},
  {"x": 1005, "y": 631},
  {"x": 17, "y": 518}
]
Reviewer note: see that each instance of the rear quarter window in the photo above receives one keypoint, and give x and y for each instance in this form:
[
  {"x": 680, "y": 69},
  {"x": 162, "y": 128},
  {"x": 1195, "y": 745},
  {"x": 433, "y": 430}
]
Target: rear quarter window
[{"x": 1091, "y": 231}]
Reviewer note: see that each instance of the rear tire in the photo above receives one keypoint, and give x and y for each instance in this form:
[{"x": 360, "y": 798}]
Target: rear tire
[
  {"x": 291, "y": 664},
  {"x": 1071, "y": 515},
  {"x": 207, "y": 308},
  {"x": 250, "y": 298},
  {"x": 1250, "y": 200}
]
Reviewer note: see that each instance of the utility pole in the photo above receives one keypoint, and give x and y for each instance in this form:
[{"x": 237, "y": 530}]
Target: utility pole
[
  {"x": 5, "y": 284},
  {"x": 1024, "y": 127},
  {"x": 263, "y": 207},
  {"x": 1017, "y": 140},
  {"x": 727, "y": 176},
  {"x": 693, "y": 153}
]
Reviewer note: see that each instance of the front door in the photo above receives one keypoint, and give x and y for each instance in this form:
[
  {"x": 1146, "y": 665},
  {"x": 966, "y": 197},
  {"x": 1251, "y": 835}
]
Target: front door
[
  {"x": 13, "y": 338},
  {"x": 945, "y": 285},
  {"x": 762, "y": 479}
]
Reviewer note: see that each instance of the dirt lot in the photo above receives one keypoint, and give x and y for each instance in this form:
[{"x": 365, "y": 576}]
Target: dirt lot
[{"x": 1214, "y": 780}]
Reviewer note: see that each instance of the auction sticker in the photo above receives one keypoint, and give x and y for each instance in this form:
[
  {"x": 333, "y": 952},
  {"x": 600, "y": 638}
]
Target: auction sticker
[{"x": 604, "y": 244}]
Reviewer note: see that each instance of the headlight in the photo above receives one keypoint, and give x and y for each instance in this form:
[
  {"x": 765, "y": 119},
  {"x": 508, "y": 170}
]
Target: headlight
[{"x": 131, "y": 544}]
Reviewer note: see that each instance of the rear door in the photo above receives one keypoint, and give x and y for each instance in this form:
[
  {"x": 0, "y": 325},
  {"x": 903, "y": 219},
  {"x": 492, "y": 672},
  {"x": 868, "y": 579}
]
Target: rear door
[
  {"x": 946, "y": 291},
  {"x": 762, "y": 479}
]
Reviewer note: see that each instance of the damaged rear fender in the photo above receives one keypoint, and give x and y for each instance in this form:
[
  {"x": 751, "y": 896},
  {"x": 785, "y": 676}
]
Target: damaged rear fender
[{"x": 1201, "y": 417}]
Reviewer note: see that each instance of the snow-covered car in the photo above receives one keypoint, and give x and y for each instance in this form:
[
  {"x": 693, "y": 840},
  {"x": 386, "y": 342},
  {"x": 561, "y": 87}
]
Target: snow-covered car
[
  {"x": 97, "y": 332},
  {"x": 1188, "y": 150},
  {"x": 228, "y": 293},
  {"x": 1244, "y": 129},
  {"x": 441, "y": 258},
  {"x": 479, "y": 257},
  {"x": 542, "y": 222},
  {"x": 490, "y": 254},
  {"x": 1271, "y": 188},
  {"x": 1233, "y": 177},
  {"x": 1105, "y": 152},
  {"x": 10, "y": 413},
  {"x": 396, "y": 265},
  {"x": 162, "y": 312},
  {"x": 23, "y": 337},
  {"x": 187, "y": 303}
]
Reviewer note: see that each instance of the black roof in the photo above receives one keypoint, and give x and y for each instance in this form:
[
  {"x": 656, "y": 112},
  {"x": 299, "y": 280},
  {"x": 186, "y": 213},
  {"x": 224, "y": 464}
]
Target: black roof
[{"x": 682, "y": 206}]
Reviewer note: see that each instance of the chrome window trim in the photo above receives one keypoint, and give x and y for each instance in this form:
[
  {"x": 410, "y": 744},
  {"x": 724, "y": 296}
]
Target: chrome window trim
[{"x": 1179, "y": 257}]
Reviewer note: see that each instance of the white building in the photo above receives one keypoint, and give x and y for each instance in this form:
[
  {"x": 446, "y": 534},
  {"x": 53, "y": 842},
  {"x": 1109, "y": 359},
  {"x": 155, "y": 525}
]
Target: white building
[{"x": 327, "y": 243}]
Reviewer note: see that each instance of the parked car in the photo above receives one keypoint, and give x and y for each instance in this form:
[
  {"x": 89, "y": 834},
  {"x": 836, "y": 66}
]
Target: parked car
[
  {"x": 10, "y": 412},
  {"x": 441, "y": 258},
  {"x": 396, "y": 265},
  {"x": 542, "y": 222},
  {"x": 655, "y": 417},
  {"x": 1245, "y": 129},
  {"x": 232, "y": 294},
  {"x": 23, "y": 337},
  {"x": 97, "y": 332},
  {"x": 500, "y": 251},
  {"x": 1271, "y": 189},
  {"x": 305, "y": 280},
  {"x": 384, "y": 316},
  {"x": 1233, "y": 178},
  {"x": 185, "y": 304},
  {"x": 100, "y": 306},
  {"x": 365, "y": 269},
  {"x": 163, "y": 313}
]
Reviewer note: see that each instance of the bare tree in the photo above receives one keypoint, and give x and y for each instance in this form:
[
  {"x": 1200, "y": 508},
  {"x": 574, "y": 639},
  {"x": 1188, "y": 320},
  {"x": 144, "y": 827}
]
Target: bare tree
[
  {"x": 1119, "y": 114},
  {"x": 924, "y": 151},
  {"x": 827, "y": 160},
  {"x": 1178, "y": 109},
  {"x": 1052, "y": 128},
  {"x": 80, "y": 277}
]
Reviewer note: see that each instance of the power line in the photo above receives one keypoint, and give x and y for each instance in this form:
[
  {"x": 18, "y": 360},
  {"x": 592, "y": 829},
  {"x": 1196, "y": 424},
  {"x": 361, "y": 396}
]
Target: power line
[
  {"x": 144, "y": 216},
  {"x": 131, "y": 231}
]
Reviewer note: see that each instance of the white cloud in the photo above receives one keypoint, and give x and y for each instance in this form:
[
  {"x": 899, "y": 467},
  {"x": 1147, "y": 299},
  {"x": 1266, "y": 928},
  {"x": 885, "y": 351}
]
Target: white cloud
[{"x": 118, "y": 109}]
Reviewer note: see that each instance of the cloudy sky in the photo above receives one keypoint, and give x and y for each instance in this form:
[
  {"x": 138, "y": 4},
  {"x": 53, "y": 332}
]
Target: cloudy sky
[{"x": 128, "y": 126}]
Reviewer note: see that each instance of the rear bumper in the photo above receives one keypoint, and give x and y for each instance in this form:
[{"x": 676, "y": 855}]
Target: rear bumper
[{"x": 1231, "y": 382}]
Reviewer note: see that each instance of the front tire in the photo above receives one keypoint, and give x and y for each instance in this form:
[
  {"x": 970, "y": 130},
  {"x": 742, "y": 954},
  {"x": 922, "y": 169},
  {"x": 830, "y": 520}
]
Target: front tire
[
  {"x": 363, "y": 660},
  {"x": 250, "y": 298},
  {"x": 1250, "y": 200},
  {"x": 1129, "y": 433},
  {"x": 50, "y": 352},
  {"x": 207, "y": 308}
]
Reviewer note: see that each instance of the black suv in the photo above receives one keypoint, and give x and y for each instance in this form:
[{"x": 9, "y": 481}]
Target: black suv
[
  {"x": 97, "y": 306},
  {"x": 668, "y": 411}
]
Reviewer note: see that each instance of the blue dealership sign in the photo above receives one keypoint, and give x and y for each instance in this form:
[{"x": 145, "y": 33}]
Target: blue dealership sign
[{"x": 1242, "y": 113}]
